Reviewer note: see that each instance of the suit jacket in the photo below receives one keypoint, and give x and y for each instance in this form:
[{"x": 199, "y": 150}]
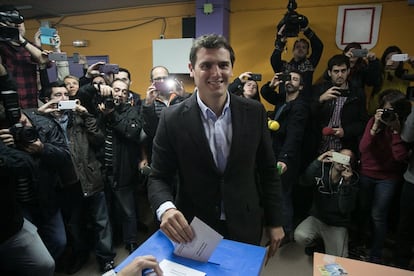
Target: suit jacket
[{"x": 249, "y": 187}]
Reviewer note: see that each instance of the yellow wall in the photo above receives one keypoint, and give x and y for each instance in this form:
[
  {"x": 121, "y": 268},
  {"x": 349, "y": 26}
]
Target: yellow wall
[{"x": 252, "y": 32}]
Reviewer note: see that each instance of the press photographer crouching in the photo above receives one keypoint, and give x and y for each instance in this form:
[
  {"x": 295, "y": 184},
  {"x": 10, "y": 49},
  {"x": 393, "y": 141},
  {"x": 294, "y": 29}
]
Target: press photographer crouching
[
  {"x": 290, "y": 26},
  {"x": 335, "y": 193},
  {"x": 29, "y": 158}
]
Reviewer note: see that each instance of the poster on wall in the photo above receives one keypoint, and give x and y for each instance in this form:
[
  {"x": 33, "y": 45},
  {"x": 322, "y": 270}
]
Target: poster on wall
[{"x": 358, "y": 23}]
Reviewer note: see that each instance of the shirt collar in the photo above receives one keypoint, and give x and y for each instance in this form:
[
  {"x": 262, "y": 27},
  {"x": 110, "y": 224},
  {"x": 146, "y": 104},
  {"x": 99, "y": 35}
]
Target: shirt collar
[{"x": 207, "y": 112}]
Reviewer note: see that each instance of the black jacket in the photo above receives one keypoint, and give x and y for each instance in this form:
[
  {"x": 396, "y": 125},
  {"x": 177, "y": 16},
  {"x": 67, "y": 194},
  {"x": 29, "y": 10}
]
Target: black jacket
[
  {"x": 288, "y": 139},
  {"x": 52, "y": 163},
  {"x": 353, "y": 116},
  {"x": 332, "y": 202},
  {"x": 126, "y": 124}
]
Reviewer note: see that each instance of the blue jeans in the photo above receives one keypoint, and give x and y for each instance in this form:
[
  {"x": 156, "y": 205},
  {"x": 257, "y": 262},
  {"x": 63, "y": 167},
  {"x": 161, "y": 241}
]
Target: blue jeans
[
  {"x": 25, "y": 253},
  {"x": 51, "y": 228},
  {"x": 375, "y": 200}
]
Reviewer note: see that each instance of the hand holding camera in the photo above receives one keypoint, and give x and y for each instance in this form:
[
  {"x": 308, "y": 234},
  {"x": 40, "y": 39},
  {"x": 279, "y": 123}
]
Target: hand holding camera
[{"x": 330, "y": 94}]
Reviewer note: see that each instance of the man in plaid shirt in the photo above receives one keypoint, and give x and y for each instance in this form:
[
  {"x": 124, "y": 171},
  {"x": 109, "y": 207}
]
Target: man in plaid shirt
[{"x": 21, "y": 59}]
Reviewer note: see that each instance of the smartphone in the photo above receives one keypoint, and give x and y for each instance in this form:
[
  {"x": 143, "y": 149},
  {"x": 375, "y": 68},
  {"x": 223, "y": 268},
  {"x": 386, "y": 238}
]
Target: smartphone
[
  {"x": 109, "y": 68},
  {"x": 65, "y": 105},
  {"x": 341, "y": 158},
  {"x": 284, "y": 77},
  {"x": 9, "y": 33},
  {"x": 255, "y": 77},
  {"x": 343, "y": 92},
  {"x": 161, "y": 86},
  {"x": 57, "y": 56},
  {"x": 359, "y": 52},
  {"x": 399, "y": 57},
  {"x": 75, "y": 58},
  {"x": 47, "y": 36}
]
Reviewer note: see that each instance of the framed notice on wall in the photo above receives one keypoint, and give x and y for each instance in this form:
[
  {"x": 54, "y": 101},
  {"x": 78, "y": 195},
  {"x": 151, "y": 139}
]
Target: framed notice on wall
[{"x": 358, "y": 23}]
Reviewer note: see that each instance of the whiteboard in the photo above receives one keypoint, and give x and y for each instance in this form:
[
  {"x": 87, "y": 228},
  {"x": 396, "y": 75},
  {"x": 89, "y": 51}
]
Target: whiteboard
[{"x": 172, "y": 53}]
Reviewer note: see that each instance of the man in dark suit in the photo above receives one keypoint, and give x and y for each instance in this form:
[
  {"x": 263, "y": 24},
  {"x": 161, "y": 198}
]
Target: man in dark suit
[{"x": 220, "y": 147}]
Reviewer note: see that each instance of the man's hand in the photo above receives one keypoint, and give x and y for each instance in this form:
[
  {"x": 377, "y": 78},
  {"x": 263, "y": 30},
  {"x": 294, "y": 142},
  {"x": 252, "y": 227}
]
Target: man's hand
[
  {"x": 49, "y": 107},
  {"x": 104, "y": 90},
  {"x": 276, "y": 235},
  {"x": 274, "y": 82},
  {"x": 6, "y": 137},
  {"x": 32, "y": 148},
  {"x": 152, "y": 94},
  {"x": 347, "y": 173},
  {"x": 339, "y": 132},
  {"x": 245, "y": 76},
  {"x": 93, "y": 70},
  {"x": 330, "y": 94},
  {"x": 80, "y": 109},
  {"x": 140, "y": 263},
  {"x": 176, "y": 227},
  {"x": 104, "y": 110}
]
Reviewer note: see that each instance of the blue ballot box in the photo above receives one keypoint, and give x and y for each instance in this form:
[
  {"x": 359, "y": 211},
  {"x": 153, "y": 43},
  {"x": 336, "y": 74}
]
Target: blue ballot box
[{"x": 229, "y": 258}]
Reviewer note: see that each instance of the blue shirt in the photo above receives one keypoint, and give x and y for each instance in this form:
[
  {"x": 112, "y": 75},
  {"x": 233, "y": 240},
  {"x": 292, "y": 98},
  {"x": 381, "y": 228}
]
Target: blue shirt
[{"x": 218, "y": 130}]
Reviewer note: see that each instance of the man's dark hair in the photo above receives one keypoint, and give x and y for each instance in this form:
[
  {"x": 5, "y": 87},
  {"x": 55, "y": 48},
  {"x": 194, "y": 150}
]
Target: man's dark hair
[
  {"x": 48, "y": 90},
  {"x": 302, "y": 81},
  {"x": 121, "y": 69},
  {"x": 338, "y": 60},
  {"x": 210, "y": 41}
]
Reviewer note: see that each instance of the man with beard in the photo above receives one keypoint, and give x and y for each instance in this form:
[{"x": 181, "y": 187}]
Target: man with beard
[
  {"x": 338, "y": 110},
  {"x": 292, "y": 114}
]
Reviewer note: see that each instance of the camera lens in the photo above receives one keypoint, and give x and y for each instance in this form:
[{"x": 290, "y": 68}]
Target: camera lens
[{"x": 388, "y": 115}]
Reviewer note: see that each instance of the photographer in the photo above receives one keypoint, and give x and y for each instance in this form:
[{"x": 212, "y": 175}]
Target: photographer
[
  {"x": 396, "y": 74},
  {"x": 21, "y": 58},
  {"x": 30, "y": 256},
  {"x": 122, "y": 125},
  {"x": 338, "y": 110},
  {"x": 86, "y": 198},
  {"x": 291, "y": 24},
  {"x": 335, "y": 192},
  {"x": 291, "y": 114},
  {"x": 245, "y": 86},
  {"x": 383, "y": 161}
]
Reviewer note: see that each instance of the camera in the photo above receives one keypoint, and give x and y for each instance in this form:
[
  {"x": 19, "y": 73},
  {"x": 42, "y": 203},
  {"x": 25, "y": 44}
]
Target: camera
[
  {"x": 284, "y": 77},
  {"x": 9, "y": 33},
  {"x": 255, "y": 77},
  {"x": 109, "y": 103},
  {"x": 292, "y": 20},
  {"x": 22, "y": 135},
  {"x": 388, "y": 115},
  {"x": 12, "y": 17}
]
